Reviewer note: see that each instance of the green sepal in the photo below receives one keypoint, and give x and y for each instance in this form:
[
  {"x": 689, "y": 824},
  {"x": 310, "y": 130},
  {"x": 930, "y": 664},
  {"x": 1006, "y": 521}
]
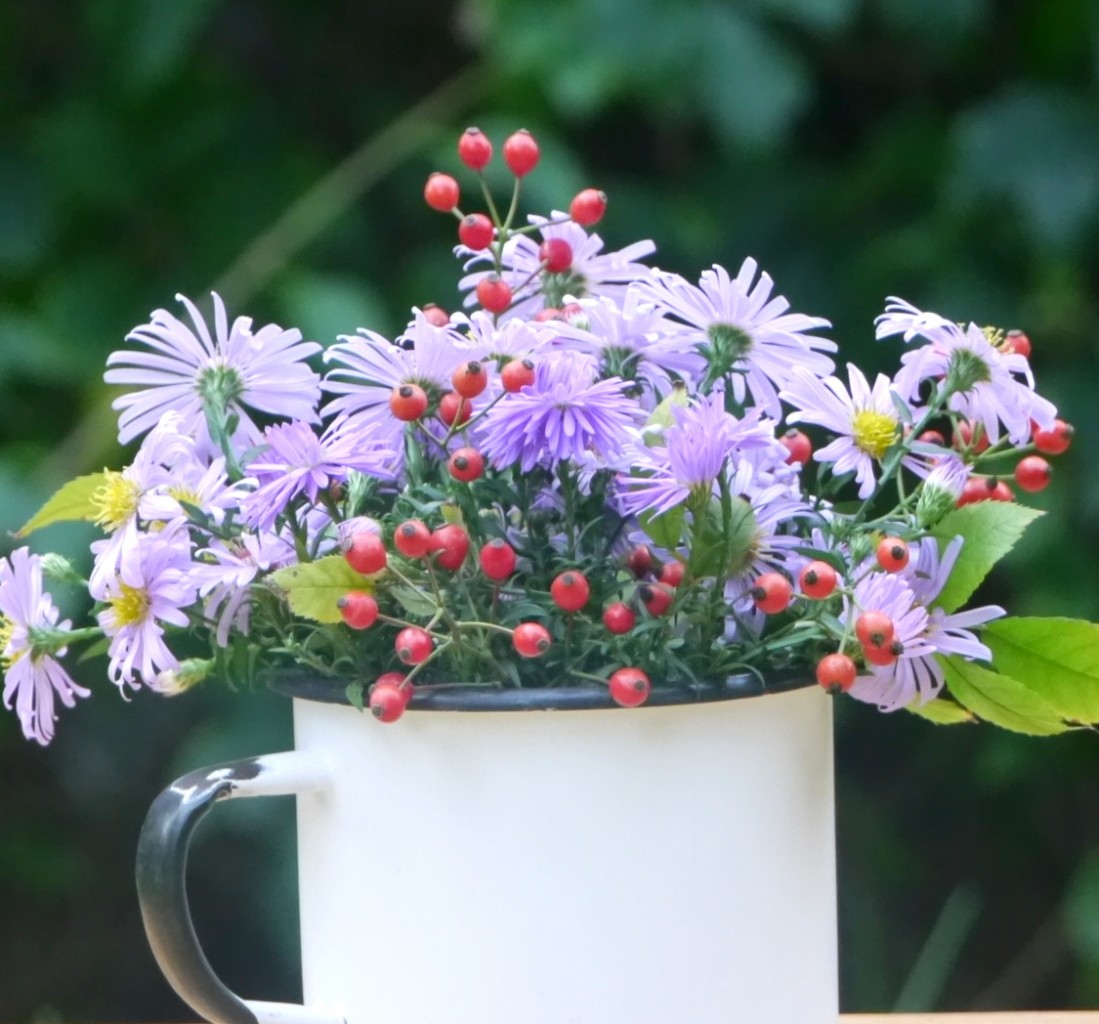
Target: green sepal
[
  {"x": 999, "y": 699},
  {"x": 72, "y": 501},
  {"x": 1056, "y": 658},
  {"x": 989, "y": 530},
  {"x": 313, "y": 588}
]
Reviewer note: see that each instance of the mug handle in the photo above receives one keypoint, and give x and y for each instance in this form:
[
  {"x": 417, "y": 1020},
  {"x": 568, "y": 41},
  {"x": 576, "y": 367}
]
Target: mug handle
[{"x": 162, "y": 890}]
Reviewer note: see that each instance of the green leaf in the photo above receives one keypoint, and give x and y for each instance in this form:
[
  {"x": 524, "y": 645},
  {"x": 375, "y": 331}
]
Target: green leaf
[
  {"x": 72, "y": 501},
  {"x": 1056, "y": 658},
  {"x": 354, "y": 692},
  {"x": 313, "y": 588},
  {"x": 999, "y": 699},
  {"x": 943, "y": 712},
  {"x": 666, "y": 529},
  {"x": 820, "y": 555},
  {"x": 990, "y": 530},
  {"x": 413, "y": 601}
]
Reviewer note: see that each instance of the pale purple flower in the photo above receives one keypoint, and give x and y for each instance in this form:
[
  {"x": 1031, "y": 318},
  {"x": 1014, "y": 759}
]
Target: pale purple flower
[
  {"x": 135, "y": 612},
  {"x": 223, "y": 574},
  {"x": 865, "y": 418},
  {"x": 265, "y": 370},
  {"x": 593, "y": 271},
  {"x": 988, "y": 385},
  {"x": 922, "y": 631},
  {"x": 296, "y": 461},
  {"x": 747, "y": 333},
  {"x": 33, "y": 679},
  {"x": 562, "y": 415}
]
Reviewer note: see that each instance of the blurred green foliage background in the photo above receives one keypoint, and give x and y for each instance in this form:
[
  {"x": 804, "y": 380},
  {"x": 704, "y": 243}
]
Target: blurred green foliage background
[{"x": 943, "y": 150}]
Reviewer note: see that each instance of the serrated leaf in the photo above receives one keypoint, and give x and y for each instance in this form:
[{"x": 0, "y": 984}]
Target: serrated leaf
[
  {"x": 999, "y": 699},
  {"x": 989, "y": 530},
  {"x": 1056, "y": 658},
  {"x": 943, "y": 712},
  {"x": 72, "y": 501},
  {"x": 313, "y": 588}
]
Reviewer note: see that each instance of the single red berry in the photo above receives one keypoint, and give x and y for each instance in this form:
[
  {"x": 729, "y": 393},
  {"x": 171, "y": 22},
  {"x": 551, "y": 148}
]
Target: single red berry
[
  {"x": 971, "y": 437},
  {"x": 656, "y": 597},
  {"x": 387, "y": 701},
  {"x": 619, "y": 618},
  {"x": 772, "y": 593},
  {"x": 629, "y": 687},
  {"x": 470, "y": 379},
  {"x": 451, "y": 544},
  {"x": 466, "y": 464},
  {"x": 531, "y": 639},
  {"x": 395, "y": 679},
  {"x": 570, "y": 590},
  {"x": 932, "y": 437},
  {"x": 475, "y": 231},
  {"x": 588, "y": 207},
  {"x": 892, "y": 554},
  {"x": 671, "y": 573},
  {"x": 1018, "y": 342},
  {"x": 497, "y": 559},
  {"x": 494, "y": 293},
  {"x": 883, "y": 655},
  {"x": 874, "y": 629},
  {"x": 413, "y": 645},
  {"x": 555, "y": 255},
  {"x": 1055, "y": 440},
  {"x": 435, "y": 315},
  {"x": 640, "y": 561},
  {"x": 365, "y": 552},
  {"x": 1033, "y": 473},
  {"x": 412, "y": 538},
  {"x": 474, "y": 148},
  {"x": 798, "y": 445},
  {"x": 521, "y": 153},
  {"x": 441, "y": 192},
  {"x": 359, "y": 610},
  {"x": 1001, "y": 492},
  {"x": 517, "y": 374},
  {"x": 836, "y": 672},
  {"x": 454, "y": 410},
  {"x": 407, "y": 402},
  {"x": 818, "y": 580},
  {"x": 976, "y": 488}
]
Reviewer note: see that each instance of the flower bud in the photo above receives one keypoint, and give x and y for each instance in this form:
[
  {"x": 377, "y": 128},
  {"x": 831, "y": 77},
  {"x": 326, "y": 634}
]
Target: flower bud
[{"x": 174, "y": 681}]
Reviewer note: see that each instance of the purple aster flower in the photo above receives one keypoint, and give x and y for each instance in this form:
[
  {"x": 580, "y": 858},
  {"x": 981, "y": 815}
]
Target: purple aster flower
[
  {"x": 184, "y": 368},
  {"x": 697, "y": 448},
  {"x": 32, "y": 676},
  {"x": 916, "y": 677},
  {"x": 987, "y": 385},
  {"x": 135, "y": 612},
  {"x": 559, "y": 417},
  {"x": 742, "y": 330},
  {"x": 593, "y": 272},
  {"x": 297, "y": 461},
  {"x": 223, "y": 573},
  {"x": 865, "y": 419}
]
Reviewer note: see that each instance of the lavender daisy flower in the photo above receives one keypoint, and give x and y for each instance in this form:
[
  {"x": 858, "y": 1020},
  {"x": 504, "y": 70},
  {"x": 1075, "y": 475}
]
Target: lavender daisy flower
[
  {"x": 697, "y": 448},
  {"x": 742, "y": 330},
  {"x": 865, "y": 419},
  {"x": 559, "y": 417},
  {"x": 297, "y": 461},
  {"x": 185, "y": 369},
  {"x": 223, "y": 573},
  {"x": 921, "y": 631},
  {"x": 135, "y": 612},
  {"x": 593, "y": 272},
  {"x": 32, "y": 676}
]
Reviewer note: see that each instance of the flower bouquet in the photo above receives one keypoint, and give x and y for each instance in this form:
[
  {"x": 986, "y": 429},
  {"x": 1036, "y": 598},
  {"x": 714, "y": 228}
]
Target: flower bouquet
[{"x": 598, "y": 475}]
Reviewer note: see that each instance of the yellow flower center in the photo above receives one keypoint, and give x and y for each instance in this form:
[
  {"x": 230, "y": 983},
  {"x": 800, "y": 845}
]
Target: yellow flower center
[
  {"x": 874, "y": 432},
  {"x": 7, "y": 628},
  {"x": 130, "y": 605},
  {"x": 115, "y": 501},
  {"x": 185, "y": 494}
]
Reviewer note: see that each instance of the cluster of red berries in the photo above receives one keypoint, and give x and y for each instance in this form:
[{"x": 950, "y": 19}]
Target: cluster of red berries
[{"x": 479, "y": 231}]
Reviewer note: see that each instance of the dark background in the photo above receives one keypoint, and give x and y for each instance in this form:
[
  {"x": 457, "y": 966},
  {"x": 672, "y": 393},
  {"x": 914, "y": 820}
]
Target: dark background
[{"x": 943, "y": 150}]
